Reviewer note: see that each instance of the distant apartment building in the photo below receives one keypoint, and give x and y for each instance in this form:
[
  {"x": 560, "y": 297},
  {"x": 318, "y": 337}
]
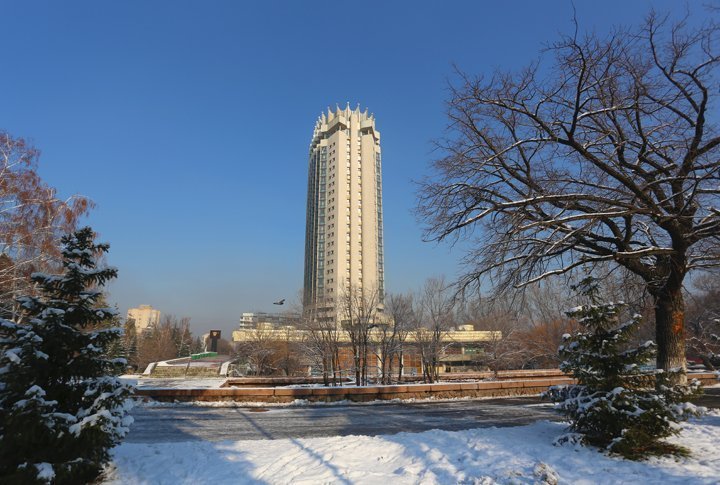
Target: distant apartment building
[
  {"x": 344, "y": 225},
  {"x": 145, "y": 316},
  {"x": 250, "y": 320}
]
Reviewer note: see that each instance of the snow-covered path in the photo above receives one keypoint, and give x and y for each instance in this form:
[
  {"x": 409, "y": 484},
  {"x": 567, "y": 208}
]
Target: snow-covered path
[
  {"x": 187, "y": 423},
  {"x": 522, "y": 454}
]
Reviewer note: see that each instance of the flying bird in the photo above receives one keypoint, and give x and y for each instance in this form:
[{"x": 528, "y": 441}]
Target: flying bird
[{"x": 281, "y": 302}]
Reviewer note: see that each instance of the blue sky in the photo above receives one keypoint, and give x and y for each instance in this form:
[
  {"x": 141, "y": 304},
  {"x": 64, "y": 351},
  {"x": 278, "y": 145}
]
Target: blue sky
[{"x": 188, "y": 124}]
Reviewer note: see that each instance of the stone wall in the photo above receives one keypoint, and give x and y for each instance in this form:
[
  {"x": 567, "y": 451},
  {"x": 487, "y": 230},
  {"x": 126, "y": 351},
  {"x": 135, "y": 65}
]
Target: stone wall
[
  {"x": 501, "y": 388},
  {"x": 357, "y": 394}
]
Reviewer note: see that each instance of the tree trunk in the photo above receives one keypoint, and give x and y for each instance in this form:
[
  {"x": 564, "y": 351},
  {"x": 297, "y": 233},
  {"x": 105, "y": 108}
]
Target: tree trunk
[
  {"x": 365, "y": 363},
  {"x": 380, "y": 375},
  {"x": 670, "y": 331},
  {"x": 357, "y": 369},
  {"x": 325, "y": 372},
  {"x": 337, "y": 372},
  {"x": 400, "y": 366},
  {"x": 386, "y": 366},
  {"x": 387, "y": 370}
]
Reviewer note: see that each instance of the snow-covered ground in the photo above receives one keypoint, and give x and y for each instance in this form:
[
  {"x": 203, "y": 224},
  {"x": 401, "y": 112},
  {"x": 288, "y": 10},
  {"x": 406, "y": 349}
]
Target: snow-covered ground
[
  {"x": 486, "y": 456},
  {"x": 215, "y": 382},
  {"x": 141, "y": 403}
]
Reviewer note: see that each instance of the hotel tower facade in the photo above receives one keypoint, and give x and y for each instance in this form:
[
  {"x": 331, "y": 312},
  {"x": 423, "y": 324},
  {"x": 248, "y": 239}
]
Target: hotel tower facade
[{"x": 344, "y": 223}]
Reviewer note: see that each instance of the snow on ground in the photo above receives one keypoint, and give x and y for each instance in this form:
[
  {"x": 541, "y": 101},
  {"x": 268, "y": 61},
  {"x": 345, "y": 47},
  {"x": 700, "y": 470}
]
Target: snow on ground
[
  {"x": 251, "y": 404},
  {"x": 150, "y": 403},
  {"x": 485, "y": 456}
]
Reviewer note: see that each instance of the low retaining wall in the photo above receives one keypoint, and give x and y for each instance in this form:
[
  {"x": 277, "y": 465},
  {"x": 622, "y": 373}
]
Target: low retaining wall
[
  {"x": 276, "y": 381},
  {"x": 501, "y": 375},
  {"x": 360, "y": 394}
]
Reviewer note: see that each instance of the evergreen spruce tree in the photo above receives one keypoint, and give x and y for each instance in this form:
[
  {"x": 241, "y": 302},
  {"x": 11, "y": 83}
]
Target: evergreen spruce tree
[
  {"x": 619, "y": 403},
  {"x": 116, "y": 348},
  {"x": 197, "y": 346},
  {"x": 185, "y": 344},
  {"x": 130, "y": 343},
  {"x": 61, "y": 406}
]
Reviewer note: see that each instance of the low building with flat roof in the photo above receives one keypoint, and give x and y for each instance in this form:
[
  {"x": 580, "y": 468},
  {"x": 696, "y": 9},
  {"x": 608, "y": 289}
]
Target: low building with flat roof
[{"x": 250, "y": 320}]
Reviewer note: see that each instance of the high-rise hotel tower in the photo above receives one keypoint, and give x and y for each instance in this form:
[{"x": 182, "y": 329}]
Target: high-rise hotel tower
[{"x": 344, "y": 231}]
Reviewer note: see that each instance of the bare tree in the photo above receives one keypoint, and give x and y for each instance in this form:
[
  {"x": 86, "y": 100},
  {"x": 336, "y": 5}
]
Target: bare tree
[
  {"x": 259, "y": 350},
  {"x": 433, "y": 320},
  {"x": 163, "y": 341},
  {"x": 604, "y": 155},
  {"x": 322, "y": 345},
  {"x": 358, "y": 313},
  {"x": 504, "y": 346},
  {"x": 288, "y": 351},
  {"x": 544, "y": 301},
  {"x": 704, "y": 321},
  {"x": 156, "y": 343},
  {"x": 392, "y": 336},
  {"x": 541, "y": 309},
  {"x": 225, "y": 347},
  {"x": 32, "y": 221},
  {"x": 269, "y": 350}
]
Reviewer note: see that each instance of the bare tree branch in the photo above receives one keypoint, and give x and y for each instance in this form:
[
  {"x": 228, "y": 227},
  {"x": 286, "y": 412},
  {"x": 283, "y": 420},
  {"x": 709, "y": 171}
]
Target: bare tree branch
[{"x": 610, "y": 156}]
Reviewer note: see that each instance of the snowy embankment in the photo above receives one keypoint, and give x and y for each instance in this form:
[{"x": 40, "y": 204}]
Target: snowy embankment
[
  {"x": 173, "y": 382},
  {"x": 522, "y": 454}
]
